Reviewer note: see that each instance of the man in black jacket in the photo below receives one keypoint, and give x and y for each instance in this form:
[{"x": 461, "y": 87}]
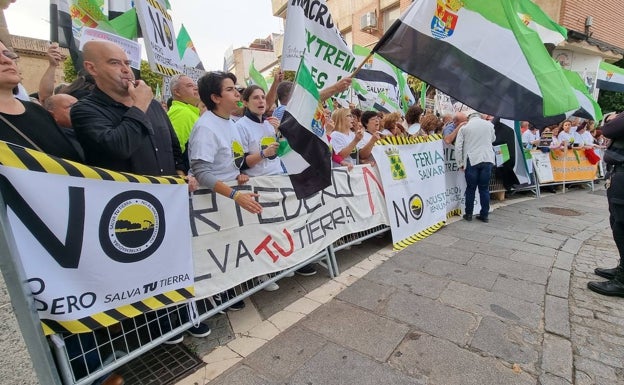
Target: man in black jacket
[
  {"x": 119, "y": 125},
  {"x": 614, "y": 157},
  {"x": 122, "y": 128}
]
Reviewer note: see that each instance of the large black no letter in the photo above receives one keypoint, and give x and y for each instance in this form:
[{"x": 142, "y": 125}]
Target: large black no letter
[{"x": 67, "y": 255}]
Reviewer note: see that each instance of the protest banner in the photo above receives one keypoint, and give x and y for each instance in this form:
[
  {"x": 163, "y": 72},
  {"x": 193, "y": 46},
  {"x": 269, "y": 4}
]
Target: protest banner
[
  {"x": 102, "y": 246},
  {"x": 130, "y": 47},
  {"x": 230, "y": 245},
  {"x": 542, "y": 166},
  {"x": 413, "y": 175},
  {"x": 455, "y": 184},
  {"x": 158, "y": 33},
  {"x": 565, "y": 165},
  {"x": 310, "y": 28}
]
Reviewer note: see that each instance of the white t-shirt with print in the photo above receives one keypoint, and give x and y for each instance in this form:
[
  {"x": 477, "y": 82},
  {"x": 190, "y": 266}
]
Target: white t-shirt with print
[
  {"x": 216, "y": 141},
  {"x": 340, "y": 141},
  {"x": 255, "y": 137}
]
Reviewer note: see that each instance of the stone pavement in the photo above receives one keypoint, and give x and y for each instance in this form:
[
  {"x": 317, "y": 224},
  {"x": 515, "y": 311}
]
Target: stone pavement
[{"x": 498, "y": 303}]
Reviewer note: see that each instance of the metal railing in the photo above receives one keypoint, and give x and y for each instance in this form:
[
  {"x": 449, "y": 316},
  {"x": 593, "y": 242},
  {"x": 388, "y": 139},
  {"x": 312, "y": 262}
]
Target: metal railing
[{"x": 83, "y": 358}]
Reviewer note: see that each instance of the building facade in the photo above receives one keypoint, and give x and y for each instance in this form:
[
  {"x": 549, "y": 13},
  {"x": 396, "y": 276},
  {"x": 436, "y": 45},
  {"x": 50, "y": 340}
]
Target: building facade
[
  {"x": 33, "y": 61},
  {"x": 262, "y": 52}
]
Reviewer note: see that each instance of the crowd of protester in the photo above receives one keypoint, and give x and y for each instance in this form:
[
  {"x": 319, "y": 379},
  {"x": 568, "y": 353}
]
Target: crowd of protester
[{"x": 217, "y": 135}]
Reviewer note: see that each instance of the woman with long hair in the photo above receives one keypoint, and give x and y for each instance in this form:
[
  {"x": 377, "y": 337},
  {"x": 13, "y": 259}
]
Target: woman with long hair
[{"x": 344, "y": 141}]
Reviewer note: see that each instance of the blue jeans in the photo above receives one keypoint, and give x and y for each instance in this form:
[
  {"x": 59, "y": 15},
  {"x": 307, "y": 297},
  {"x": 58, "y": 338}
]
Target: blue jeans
[{"x": 478, "y": 176}]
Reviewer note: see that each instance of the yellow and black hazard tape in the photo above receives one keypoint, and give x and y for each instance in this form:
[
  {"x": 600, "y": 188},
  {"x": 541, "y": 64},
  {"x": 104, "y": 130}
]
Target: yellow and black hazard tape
[
  {"x": 113, "y": 316},
  {"x": 167, "y": 71},
  {"x": 454, "y": 213},
  {"x": 398, "y": 246},
  {"x": 27, "y": 159},
  {"x": 403, "y": 140},
  {"x": 158, "y": 6}
]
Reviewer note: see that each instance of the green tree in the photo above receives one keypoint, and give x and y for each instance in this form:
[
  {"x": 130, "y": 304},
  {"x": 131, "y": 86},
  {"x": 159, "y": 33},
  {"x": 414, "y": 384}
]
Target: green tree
[
  {"x": 612, "y": 101},
  {"x": 414, "y": 84},
  {"x": 150, "y": 77},
  {"x": 290, "y": 75},
  {"x": 69, "y": 72}
]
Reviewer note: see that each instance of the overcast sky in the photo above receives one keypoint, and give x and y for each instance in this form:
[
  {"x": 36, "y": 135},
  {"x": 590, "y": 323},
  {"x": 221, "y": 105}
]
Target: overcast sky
[{"x": 213, "y": 25}]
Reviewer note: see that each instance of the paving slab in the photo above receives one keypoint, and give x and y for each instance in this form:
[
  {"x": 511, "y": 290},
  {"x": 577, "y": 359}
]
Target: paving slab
[
  {"x": 557, "y": 317},
  {"x": 486, "y": 303},
  {"x": 507, "y": 341},
  {"x": 284, "y": 355},
  {"x": 518, "y": 288},
  {"x": 470, "y": 275},
  {"x": 432, "y": 317},
  {"x": 340, "y": 366},
  {"x": 357, "y": 329},
  {"x": 510, "y": 268},
  {"x": 391, "y": 274},
  {"x": 444, "y": 363}
]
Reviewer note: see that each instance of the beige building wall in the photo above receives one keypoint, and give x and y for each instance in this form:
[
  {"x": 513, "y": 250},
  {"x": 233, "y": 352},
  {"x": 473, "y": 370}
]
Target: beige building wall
[{"x": 33, "y": 61}]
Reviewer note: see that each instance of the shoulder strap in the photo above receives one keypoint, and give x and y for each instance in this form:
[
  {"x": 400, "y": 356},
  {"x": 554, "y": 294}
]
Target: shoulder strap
[{"x": 21, "y": 133}]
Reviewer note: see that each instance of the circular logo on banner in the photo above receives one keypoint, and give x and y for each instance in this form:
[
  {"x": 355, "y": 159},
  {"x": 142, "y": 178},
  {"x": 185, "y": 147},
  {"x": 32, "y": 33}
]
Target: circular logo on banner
[
  {"x": 168, "y": 34},
  {"x": 416, "y": 206},
  {"x": 132, "y": 226}
]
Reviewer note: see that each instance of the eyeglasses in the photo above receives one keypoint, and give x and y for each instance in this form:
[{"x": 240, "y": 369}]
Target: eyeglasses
[{"x": 10, "y": 54}]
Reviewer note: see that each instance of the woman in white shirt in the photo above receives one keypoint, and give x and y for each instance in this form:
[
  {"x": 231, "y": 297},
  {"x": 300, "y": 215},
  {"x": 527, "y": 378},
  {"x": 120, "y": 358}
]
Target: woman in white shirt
[
  {"x": 258, "y": 135},
  {"x": 343, "y": 140},
  {"x": 565, "y": 138}
]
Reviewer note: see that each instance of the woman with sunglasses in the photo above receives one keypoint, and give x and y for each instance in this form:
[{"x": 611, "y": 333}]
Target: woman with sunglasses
[{"x": 26, "y": 123}]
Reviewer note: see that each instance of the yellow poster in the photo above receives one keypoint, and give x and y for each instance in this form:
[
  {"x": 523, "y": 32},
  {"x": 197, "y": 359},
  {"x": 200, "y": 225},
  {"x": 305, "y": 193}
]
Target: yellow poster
[{"x": 571, "y": 165}]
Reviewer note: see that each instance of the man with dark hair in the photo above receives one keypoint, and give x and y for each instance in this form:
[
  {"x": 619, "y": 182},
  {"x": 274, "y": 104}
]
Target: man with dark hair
[
  {"x": 284, "y": 89},
  {"x": 412, "y": 117}
]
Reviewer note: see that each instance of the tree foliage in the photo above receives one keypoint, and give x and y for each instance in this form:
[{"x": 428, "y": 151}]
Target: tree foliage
[
  {"x": 69, "y": 72},
  {"x": 612, "y": 101},
  {"x": 150, "y": 77}
]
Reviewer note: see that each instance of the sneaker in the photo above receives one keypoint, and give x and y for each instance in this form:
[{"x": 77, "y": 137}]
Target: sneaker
[
  {"x": 467, "y": 217},
  {"x": 202, "y": 330},
  {"x": 306, "y": 271},
  {"x": 289, "y": 275},
  {"x": 240, "y": 305},
  {"x": 175, "y": 339},
  {"x": 269, "y": 287}
]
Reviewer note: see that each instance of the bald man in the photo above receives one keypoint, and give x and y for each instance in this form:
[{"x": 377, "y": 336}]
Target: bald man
[
  {"x": 119, "y": 125},
  {"x": 59, "y": 106},
  {"x": 122, "y": 128}
]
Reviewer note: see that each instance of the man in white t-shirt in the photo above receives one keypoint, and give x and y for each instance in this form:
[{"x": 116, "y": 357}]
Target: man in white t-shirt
[{"x": 531, "y": 137}]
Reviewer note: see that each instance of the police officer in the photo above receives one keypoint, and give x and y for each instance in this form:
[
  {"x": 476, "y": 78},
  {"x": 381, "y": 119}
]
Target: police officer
[{"x": 614, "y": 157}]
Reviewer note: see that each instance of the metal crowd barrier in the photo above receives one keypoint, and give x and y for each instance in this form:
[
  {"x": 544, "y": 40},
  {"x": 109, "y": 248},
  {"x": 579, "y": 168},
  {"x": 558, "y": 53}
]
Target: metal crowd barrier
[{"x": 83, "y": 358}]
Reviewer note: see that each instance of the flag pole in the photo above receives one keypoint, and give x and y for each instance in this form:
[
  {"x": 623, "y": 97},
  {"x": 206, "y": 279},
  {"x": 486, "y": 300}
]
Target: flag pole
[
  {"x": 362, "y": 64},
  {"x": 54, "y": 36}
]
